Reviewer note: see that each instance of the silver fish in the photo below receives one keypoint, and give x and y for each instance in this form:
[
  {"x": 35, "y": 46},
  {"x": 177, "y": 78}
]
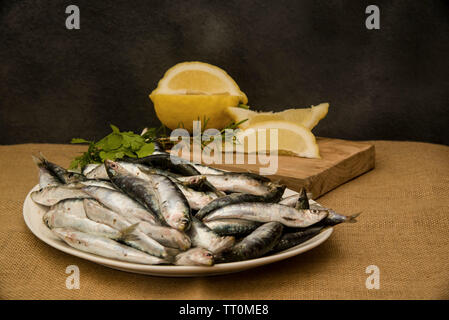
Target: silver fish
[
  {"x": 63, "y": 175},
  {"x": 166, "y": 236},
  {"x": 238, "y": 198},
  {"x": 266, "y": 212},
  {"x": 202, "y": 169},
  {"x": 151, "y": 170},
  {"x": 232, "y": 227},
  {"x": 100, "y": 173},
  {"x": 196, "y": 199},
  {"x": 195, "y": 257},
  {"x": 237, "y": 182},
  {"x": 47, "y": 179},
  {"x": 256, "y": 244},
  {"x": 121, "y": 204},
  {"x": 203, "y": 236},
  {"x": 52, "y": 195},
  {"x": 139, "y": 240},
  {"x": 156, "y": 192},
  {"x": 104, "y": 247},
  {"x": 63, "y": 219},
  {"x": 173, "y": 204},
  {"x": 292, "y": 239}
]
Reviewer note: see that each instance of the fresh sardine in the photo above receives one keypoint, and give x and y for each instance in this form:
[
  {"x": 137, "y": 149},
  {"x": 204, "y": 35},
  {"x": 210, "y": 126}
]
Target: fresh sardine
[
  {"x": 63, "y": 175},
  {"x": 266, "y": 212},
  {"x": 196, "y": 199},
  {"x": 292, "y": 239},
  {"x": 203, "y": 236},
  {"x": 166, "y": 236},
  {"x": 99, "y": 173},
  {"x": 220, "y": 202},
  {"x": 232, "y": 227},
  {"x": 63, "y": 219},
  {"x": 168, "y": 162},
  {"x": 156, "y": 192},
  {"x": 238, "y": 182},
  {"x": 104, "y": 247},
  {"x": 52, "y": 195},
  {"x": 46, "y": 177},
  {"x": 121, "y": 204},
  {"x": 256, "y": 244}
]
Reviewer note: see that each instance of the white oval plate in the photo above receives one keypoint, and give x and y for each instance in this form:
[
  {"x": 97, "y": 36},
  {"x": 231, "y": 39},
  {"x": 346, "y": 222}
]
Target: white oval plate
[{"x": 33, "y": 213}]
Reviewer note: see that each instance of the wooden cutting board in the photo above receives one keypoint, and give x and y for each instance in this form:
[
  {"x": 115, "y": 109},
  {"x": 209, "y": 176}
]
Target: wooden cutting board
[{"x": 341, "y": 161}]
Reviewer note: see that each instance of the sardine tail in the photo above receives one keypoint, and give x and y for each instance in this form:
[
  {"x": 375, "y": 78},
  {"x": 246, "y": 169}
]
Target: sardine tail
[
  {"x": 39, "y": 160},
  {"x": 353, "y": 218}
]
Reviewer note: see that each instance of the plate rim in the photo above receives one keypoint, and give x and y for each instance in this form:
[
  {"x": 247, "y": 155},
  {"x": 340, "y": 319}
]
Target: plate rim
[{"x": 172, "y": 270}]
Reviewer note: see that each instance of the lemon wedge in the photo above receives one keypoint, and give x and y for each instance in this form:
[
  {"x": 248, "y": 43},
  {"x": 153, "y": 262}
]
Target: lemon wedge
[
  {"x": 191, "y": 91},
  {"x": 291, "y": 139},
  {"x": 306, "y": 117}
]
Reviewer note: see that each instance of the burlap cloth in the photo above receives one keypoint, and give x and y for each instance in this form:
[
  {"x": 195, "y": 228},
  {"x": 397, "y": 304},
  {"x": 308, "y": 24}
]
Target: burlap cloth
[{"x": 404, "y": 230}]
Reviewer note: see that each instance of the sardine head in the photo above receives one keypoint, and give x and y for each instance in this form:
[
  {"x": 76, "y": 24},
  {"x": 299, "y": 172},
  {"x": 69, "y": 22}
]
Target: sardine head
[
  {"x": 113, "y": 168},
  {"x": 203, "y": 257}
]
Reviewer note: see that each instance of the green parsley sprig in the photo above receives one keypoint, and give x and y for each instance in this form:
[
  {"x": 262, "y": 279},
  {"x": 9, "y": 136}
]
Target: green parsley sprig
[
  {"x": 114, "y": 146},
  {"x": 118, "y": 144}
]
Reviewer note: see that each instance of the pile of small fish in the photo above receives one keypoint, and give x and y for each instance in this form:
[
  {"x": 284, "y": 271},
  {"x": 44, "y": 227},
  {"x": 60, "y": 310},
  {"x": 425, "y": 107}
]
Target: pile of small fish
[{"x": 165, "y": 210}]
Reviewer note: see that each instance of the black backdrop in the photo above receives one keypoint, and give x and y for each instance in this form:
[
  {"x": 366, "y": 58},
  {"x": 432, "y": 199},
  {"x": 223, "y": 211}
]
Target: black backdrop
[{"x": 391, "y": 83}]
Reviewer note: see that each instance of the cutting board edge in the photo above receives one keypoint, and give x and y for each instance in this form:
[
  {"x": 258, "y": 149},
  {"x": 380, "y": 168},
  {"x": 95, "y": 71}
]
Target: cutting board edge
[{"x": 369, "y": 153}]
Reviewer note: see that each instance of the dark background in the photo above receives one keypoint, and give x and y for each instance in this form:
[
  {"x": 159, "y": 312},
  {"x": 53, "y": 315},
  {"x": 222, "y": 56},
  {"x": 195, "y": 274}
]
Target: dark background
[{"x": 391, "y": 83}]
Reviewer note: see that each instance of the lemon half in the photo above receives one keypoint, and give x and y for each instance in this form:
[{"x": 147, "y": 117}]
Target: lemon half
[{"x": 191, "y": 91}]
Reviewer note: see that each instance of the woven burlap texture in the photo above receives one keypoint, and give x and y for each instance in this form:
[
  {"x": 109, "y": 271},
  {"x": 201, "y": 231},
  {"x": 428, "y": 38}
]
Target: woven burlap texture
[{"x": 403, "y": 230}]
